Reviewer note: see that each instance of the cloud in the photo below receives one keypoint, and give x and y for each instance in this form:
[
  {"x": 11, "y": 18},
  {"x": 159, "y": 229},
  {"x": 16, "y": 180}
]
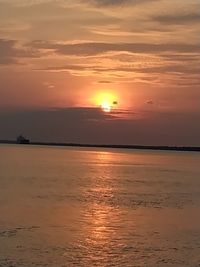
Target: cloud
[
  {"x": 10, "y": 53},
  {"x": 149, "y": 102},
  {"x": 97, "y": 48},
  {"x": 88, "y": 125},
  {"x": 104, "y": 82},
  {"x": 178, "y": 19},
  {"x": 164, "y": 68},
  {"x": 110, "y": 2},
  {"x": 7, "y": 51},
  {"x": 182, "y": 57},
  {"x": 47, "y": 123},
  {"x": 107, "y": 3}
]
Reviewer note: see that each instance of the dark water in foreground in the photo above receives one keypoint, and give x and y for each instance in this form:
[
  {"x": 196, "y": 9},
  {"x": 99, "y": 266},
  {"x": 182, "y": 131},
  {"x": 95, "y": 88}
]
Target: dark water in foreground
[{"x": 78, "y": 207}]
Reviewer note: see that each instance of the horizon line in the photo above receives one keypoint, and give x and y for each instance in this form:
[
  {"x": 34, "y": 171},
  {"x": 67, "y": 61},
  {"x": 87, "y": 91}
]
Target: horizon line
[{"x": 119, "y": 146}]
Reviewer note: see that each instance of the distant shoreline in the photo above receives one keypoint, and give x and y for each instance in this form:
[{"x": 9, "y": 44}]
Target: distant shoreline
[{"x": 142, "y": 147}]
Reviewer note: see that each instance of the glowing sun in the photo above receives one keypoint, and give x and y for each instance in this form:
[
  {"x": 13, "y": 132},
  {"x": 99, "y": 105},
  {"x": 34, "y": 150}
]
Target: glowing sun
[
  {"x": 106, "y": 106},
  {"x": 107, "y": 101}
]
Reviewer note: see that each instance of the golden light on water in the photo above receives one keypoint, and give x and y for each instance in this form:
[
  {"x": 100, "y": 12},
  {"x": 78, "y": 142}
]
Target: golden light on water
[{"x": 100, "y": 215}]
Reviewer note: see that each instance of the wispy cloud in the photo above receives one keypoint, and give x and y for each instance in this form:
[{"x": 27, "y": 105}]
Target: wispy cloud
[
  {"x": 10, "y": 53},
  {"x": 178, "y": 19},
  {"x": 96, "y": 48},
  {"x": 117, "y": 2}
]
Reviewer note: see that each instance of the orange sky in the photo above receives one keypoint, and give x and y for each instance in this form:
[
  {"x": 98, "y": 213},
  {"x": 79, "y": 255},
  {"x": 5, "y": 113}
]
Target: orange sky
[{"x": 66, "y": 54}]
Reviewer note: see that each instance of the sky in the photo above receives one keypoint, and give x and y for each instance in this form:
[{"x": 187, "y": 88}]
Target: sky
[{"x": 100, "y": 71}]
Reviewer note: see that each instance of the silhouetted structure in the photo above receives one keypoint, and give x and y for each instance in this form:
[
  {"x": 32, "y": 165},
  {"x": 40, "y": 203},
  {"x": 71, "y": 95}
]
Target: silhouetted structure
[{"x": 22, "y": 140}]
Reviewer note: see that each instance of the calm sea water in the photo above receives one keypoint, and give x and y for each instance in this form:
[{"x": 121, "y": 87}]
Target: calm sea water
[{"x": 97, "y": 207}]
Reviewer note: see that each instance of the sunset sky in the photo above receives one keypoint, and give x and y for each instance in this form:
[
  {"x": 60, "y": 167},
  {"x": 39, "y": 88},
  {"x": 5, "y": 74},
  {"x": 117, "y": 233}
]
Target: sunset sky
[{"x": 62, "y": 60}]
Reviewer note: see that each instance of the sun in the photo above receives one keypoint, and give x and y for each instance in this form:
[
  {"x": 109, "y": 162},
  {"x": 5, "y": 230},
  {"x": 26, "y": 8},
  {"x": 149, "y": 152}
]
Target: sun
[
  {"x": 106, "y": 107},
  {"x": 106, "y": 101}
]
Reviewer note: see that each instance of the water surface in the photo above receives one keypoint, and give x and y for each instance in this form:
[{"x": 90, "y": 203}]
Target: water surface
[{"x": 98, "y": 207}]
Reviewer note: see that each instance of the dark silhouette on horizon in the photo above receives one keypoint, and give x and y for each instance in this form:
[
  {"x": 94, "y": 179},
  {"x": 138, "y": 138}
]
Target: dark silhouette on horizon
[{"x": 22, "y": 140}]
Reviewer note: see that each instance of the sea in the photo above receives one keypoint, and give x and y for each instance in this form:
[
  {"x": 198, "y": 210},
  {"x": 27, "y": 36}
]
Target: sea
[{"x": 95, "y": 207}]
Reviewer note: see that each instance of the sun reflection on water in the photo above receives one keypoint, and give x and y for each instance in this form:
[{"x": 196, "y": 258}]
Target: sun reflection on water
[
  {"x": 101, "y": 218},
  {"x": 100, "y": 222}
]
